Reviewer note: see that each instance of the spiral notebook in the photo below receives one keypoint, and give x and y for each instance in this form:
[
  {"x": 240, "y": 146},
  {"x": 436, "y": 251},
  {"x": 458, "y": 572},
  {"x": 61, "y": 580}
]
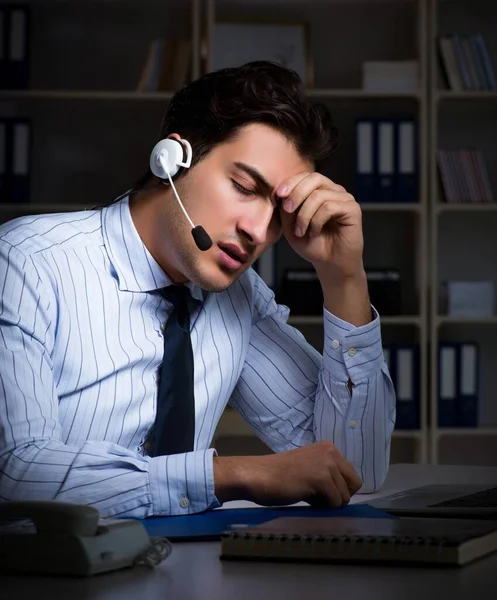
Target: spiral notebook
[{"x": 449, "y": 542}]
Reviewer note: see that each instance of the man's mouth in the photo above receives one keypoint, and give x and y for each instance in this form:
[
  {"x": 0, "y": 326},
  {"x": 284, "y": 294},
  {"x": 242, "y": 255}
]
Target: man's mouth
[
  {"x": 232, "y": 257},
  {"x": 235, "y": 252}
]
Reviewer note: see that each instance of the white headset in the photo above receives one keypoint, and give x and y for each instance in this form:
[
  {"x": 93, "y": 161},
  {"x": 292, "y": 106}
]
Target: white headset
[
  {"x": 167, "y": 155},
  {"x": 166, "y": 160}
]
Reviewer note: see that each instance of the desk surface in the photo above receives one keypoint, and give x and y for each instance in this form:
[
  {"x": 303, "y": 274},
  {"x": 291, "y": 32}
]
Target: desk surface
[{"x": 194, "y": 571}]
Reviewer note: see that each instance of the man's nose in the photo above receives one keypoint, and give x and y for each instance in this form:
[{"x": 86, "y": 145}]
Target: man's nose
[{"x": 254, "y": 225}]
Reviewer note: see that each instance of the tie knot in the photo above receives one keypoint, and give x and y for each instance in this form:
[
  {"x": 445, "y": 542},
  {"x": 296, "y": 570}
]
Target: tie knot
[{"x": 178, "y": 295}]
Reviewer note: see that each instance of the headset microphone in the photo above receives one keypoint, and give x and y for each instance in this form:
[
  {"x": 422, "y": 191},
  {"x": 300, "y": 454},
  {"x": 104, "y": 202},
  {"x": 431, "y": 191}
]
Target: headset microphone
[{"x": 165, "y": 161}]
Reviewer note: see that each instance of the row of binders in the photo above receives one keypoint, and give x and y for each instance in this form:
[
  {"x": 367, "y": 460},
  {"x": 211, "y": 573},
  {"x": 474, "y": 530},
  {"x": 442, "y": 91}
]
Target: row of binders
[
  {"x": 464, "y": 176},
  {"x": 403, "y": 362},
  {"x": 458, "y": 379},
  {"x": 15, "y": 23},
  {"x": 466, "y": 63},
  {"x": 458, "y": 384},
  {"x": 15, "y": 159},
  {"x": 386, "y": 160}
]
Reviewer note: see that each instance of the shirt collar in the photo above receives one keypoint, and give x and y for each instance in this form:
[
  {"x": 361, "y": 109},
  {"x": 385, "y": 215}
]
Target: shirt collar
[{"x": 135, "y": 269}]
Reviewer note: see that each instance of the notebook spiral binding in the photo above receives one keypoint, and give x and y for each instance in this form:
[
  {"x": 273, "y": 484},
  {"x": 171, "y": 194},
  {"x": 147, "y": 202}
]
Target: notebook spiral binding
[
  {"x": 344, "y": 541},
  {"x": 339, "y": 538}
]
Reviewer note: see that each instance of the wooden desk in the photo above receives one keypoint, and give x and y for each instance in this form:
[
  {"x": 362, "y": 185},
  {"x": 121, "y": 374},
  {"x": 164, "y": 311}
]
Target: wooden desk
[{"x": 194, "y": 571}]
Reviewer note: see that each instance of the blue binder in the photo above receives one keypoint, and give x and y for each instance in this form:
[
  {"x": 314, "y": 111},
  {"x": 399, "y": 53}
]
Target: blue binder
[
  {"x": 386, "y": 160},
  {"x": 406, "y": 372},
  {"x": 447, "y": 383},
  {"x": 468, "y": 385},
  {"x": 407, "y": 184},
  {"x": 19, "y": 158},
  {"x": 210, "y": 524},
  {"x": 4, "y": 47},
  {"x": 16, "y": 21},
  {"x": 365, "y": 179},
  {"x": 4, "y": 193}
]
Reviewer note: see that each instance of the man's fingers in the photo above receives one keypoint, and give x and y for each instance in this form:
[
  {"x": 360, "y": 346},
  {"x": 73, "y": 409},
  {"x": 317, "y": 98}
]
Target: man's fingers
[
  {"x": 340, "y": 484},
  {"x": 348, "y": 472}
]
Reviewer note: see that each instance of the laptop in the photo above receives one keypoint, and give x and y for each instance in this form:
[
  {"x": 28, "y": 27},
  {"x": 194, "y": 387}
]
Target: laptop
[{"x": 441, "y": 500}]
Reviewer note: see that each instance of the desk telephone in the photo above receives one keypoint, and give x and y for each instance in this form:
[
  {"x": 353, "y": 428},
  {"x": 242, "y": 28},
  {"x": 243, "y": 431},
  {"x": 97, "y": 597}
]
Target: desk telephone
[{"x": 70, "y": 539}]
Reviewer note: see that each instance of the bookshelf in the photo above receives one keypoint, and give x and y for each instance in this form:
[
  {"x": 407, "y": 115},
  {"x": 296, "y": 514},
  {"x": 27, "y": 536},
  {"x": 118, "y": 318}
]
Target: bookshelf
[
  {"x": 93, "y": 133},
  {"x": 400, "y": 33},
  {"x": 461, "y": 235}
]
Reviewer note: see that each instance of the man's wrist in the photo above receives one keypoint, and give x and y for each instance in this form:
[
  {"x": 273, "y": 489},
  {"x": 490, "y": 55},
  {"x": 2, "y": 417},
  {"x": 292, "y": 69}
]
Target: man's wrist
[
  {"x": 346, "y": 296},
  {"x": 233, "y": 477}
]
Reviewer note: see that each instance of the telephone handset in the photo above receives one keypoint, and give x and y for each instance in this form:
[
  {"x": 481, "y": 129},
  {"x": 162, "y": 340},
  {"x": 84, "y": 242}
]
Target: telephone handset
[{"x": 70, "y": 539}]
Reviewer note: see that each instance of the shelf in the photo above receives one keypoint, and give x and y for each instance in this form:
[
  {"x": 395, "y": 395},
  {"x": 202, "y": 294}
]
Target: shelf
[
  {"x": 480, "y": 95},
  {"x": 446, "y": 320},
  {"x": 466, "y": 207},
  {"x": 29, "y": 208},
  {"x": 390, "y": 206},
  {"x": 83, "y": 95},
  {"x": 466, "y": 431},
  {"x": 385, "y": 320},
  {"x": 141, "y": 96},
  {"x": 407, "y": 434},
  {"x": 358, "y": 93}
]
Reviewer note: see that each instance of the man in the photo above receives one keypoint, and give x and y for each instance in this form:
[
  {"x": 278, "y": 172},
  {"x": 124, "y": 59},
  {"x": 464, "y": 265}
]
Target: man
[{"x": 84, "y": 304}]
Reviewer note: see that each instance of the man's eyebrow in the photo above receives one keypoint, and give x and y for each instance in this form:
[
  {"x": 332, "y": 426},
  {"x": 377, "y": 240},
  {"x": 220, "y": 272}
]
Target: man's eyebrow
[{"x": 254, "y": 173}]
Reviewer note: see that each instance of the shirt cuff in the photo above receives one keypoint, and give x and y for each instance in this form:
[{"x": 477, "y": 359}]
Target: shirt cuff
[
  {"x": 182, "y": 484},
  {"x": 350, "y": 352}
]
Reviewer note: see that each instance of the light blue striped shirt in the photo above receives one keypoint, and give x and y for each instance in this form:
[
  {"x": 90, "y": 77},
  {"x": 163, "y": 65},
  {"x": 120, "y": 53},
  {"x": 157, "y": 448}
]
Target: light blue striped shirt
[{"x": 80, "y": 347}]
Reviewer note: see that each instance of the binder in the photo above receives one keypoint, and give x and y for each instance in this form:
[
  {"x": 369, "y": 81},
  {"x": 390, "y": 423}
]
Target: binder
[
  {"x": 407, "y": 385},
  {"x": 3, "y": 47},
  {"x": 447, "y": 384},
  {"x": 407, "y": 164},
  {"x": 365, "y": 187},
  {"x": 3, "y": 161},
  {"x": 210, "y": 524},
  {"x": 19, "y": 140},
  {"x": 16, "y": 21},
  {"x": 385, "y": 153},
  {"x": 467, "y": 397}
]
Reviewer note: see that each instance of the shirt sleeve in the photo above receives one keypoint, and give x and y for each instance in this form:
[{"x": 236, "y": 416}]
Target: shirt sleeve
[
  {"x": 292, "y": 395},
  {"x": 35, "y": 464}
]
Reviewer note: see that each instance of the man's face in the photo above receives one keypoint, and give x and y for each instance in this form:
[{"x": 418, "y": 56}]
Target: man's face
[{"x": 231, "y": 194}]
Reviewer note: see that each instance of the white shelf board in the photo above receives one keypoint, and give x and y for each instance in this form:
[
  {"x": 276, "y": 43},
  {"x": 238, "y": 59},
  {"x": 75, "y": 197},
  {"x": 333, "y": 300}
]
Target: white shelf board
[
  {"x": 477, "y": 95},
  {"x": 141, "y": 96},
  {"x": 83, "y": 95},
  {"x": 357, "y": 93},
  {"x": 446, "y": 320},
  {"x": 28, "y": 208},
  {"x": 442, "y": 207},
  {"x": 466, "y": 431},
  {"x": 390, "y": 206},
  {"x": 385, "y": 320}
]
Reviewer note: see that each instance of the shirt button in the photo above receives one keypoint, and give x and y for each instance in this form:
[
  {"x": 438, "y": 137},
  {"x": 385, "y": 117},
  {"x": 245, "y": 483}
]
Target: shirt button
[
  {"x": 184, "y": 502},
  {"x": 353, "y": 424},
  {"x": 335, "y": 344},
  {"x": 352, "y": 352}
]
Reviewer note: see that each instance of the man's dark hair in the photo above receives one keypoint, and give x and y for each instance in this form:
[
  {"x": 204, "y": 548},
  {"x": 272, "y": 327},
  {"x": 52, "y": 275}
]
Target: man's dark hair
[{"x": 213, "y": 108}]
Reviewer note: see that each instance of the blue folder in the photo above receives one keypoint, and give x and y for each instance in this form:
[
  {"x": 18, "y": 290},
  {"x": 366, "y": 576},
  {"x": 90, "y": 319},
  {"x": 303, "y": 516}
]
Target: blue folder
[{"x": 210, "y": 524}]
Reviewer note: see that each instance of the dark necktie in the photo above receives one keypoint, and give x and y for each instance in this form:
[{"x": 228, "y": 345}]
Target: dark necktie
[{"x": 175, "y": 420}]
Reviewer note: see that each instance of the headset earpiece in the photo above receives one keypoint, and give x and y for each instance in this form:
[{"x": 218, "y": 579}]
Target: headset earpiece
[
  {"x": 170, "y": 153},
  {"x": 166, "y": 161}
]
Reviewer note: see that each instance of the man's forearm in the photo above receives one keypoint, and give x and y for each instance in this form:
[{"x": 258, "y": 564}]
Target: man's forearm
[
  {"x": 231, "y": 477},
  {"x": 346, "y": 297}
]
